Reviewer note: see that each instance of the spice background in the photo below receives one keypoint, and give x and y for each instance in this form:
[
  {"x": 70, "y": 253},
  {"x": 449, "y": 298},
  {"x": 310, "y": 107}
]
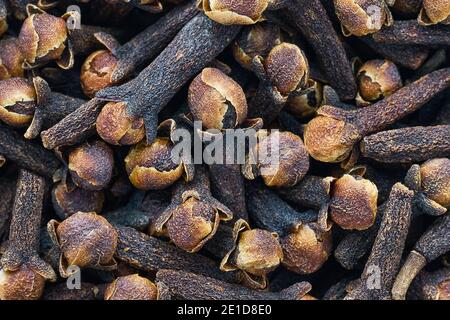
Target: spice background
[{"x": 93, "y": 205}]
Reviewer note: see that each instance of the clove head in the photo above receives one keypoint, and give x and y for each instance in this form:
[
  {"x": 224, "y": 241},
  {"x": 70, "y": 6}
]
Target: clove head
[
  {"x": 258, "y": 252},
  {"x": 96, "y": 72},
  {"x": 306, "y": 248},
  {"x": 287, "y": 67},
  {"x": 85, "y": 240},
  {"x": 150, "y": 167},
  {"x": 17, "y": 101},
  {"x": 378, "y": 79},
  {"x": 91, "y": 165},
  {"x": 131, "y": 287},
  {"x": 353, "y": 203},
  {"x": 11, "y": 59},
  {"x": 217, "y": 100},
  {"x": 435, "y": 178},
  {"x": 434, "y": 12},
  {"x": 306, "y": 103},
  {"x": 21, "y": 284},
  {"x": 234, "y": 12},
  {"x": 116, "y": 127}
]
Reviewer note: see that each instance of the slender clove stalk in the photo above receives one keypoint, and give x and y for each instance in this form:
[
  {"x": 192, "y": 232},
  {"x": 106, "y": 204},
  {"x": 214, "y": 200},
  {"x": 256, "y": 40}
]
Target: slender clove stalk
[
  {"x": 189, "y": 286},
  {"x": 27, "y": 154},
  {"x": 332, "y": 135},
  {"x": 410, "y": 33},
  {"x": 407, "y": 145},
  {"x": 198, "y": 42},
  {"x": 23, "y": 272},
  {"x": 384, "y": 261},
  {"x": 150, "y": 254},
  {"x": 432, "y": 244},
  {"x": 310, "y": 18}
]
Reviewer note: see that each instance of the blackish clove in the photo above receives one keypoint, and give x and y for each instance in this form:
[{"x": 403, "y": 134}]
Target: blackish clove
[
  {"x": 433, "y": 12},
  {"x": 11, "y": 58},
  {"x": 189, "y": 286},
  {"x": 432, "y": 244},
  {"x": 407, "y": 145},
  {"x": 27, "y": 154},
  {"x": 150, "y": 254},
  {"x": 332, "y": 135},
  {"x": 310, "y": 18},
  {"x": 410, "y": 33},
  {"x": 193, "y": 216},
  {"x": 198, "y": 42},
  {"x": 24, "y": 273},
  {"x": 151, "y": 6},
  {"x": 132, "y": 287},
  {"x": 431, "y": 285},
  {"x": 59, "y": 291},
  {"x": 86, "y": 240},
  {"x": 337, "y": 291},
  {"x": 384, "y": 260}
]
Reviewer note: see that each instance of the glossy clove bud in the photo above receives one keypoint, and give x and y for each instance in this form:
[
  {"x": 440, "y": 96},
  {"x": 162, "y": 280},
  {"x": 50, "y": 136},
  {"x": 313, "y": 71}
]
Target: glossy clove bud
[
  {"x": 217, "y": 100},
  {"x": 86, "y": 240},
  {"x": 96, "y": 72},
  {"x": 434, "y": 12},
  {"x": 376, "y": 80},
  {"x": 116, "y": 127},
  {"x": 362, "y": 17},
  {"x": 17, "y": 102},
  {"x": 132, "y": 287},
  {"x": 11, "y": 59},
  {"x": 353, "y": 203},
  {"x": 91, "y": 165},
  {"x": 234, "y": 12}
]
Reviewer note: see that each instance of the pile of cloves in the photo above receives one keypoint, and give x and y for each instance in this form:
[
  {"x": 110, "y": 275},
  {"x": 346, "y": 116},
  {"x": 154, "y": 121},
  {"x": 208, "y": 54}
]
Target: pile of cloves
[{"x": 248, "y": 150}]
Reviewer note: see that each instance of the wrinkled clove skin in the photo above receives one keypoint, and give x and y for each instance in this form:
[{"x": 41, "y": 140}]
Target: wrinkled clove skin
[
  {"x": 17, "y": 102},
  {"x": 3, "y": 17},
  {"x": 189, "y": 286},
  {"x": 434, "y": 12},
  {"x": 362, "y": 17},
  {"x": 193, "y": 216},
  {"x": 68, "y": 200},
  {"x": 11, "y": 58},
  {"x": 410, "y": 33},
  {"x": 239, "y": 13},
  {"x": 432, "y": 244},
  {"x": 60, "y": 291},
  {"x": 91, "y": 165},
  {"x": 150, "y": 254},
  {"x": 331, "y": 136},
  {"x": 290, "y": 167},
  {"x": 85, "y": 240},
  {"x": 131, "y": 287},
  {"x": 310, "y": 18},
  {"x": 376, "y": 80},
  {"x": 197, "y": 43},
  {"x": 384, "y": 259},
  {"x": 24, "y": 273},
  {"x": 407, "y": 145},
  {"x": 255, "y": 253},
  {"x": 431, "y": 286},
  {"x": 147, "y": 44},
  {"x": 27, "y": 154}
]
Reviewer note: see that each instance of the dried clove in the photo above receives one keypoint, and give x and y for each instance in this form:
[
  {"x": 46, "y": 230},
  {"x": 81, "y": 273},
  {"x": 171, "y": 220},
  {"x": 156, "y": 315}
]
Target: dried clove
[
  {"x": 24, "y": 273},
  {"x": 189, "y": 286},
  {"x": 432, "y": 244},
  {"x": 434, "y": 12},
  {"x": 132, "y": 287},
  {"x": 407, "y": 145},
  {"x": 11, "y": 58},
  {"x": 383, "y": 263},
  {"x": 431, "y": 286},
  {"x": 331, "y": 136},
  {"x": 228, "y": 13}
]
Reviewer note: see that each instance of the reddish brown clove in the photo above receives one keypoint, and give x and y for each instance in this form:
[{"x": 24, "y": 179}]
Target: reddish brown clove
[
  {"x": 433, "y": 12},
  {"x": 229, "y": 12},
  {"x": 132, "y": 287}
]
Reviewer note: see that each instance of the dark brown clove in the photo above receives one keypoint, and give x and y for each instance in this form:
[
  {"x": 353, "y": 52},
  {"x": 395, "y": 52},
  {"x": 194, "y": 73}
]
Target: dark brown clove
[
  {"x": 7, "y": 189},
  {"x": 384, "y": 261},
  {"x": 11, "y": 58},
  {"x": 407, "y": 8},
  {"x": 410, "y": 33},
  {"x": 332, "y": 135},
  {"x": 132, "y": 287},
  {"x": 434, "y": 12},
  {"x": 23, "y": 272},
  {"x": 59, "y": 291},
  {"x": 407, "y": 145},
  {"x": 150, "y": 254},
  {"x": 312, "y": 21},
  {"x": 432, "y": 244},
  {"x": 198, "y": 42},
  {"x": 189, "y": 286},
  {"x": 240, "y": 13},
  {"x": 27, "y": 154}
]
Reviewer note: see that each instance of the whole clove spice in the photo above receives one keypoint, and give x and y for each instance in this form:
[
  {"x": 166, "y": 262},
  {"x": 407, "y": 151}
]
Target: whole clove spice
[
  {"x": 189, "y": 286},
  {"x": 132, "y": 287},
  {"x": 332, "y": 135},
  {"x": 407, "y": 145},
  {"x": 11, "y": 58},
  {"x": 24, "y": 273},
  {"x": 432, "y": 244},
  {"x": 434, "y": 12},
  {"x": 229, "y": 13}
]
